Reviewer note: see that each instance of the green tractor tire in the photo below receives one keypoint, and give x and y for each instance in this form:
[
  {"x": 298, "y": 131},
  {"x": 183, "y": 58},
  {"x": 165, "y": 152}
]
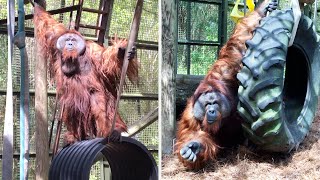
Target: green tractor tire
[{"x": 279, "y": 85}]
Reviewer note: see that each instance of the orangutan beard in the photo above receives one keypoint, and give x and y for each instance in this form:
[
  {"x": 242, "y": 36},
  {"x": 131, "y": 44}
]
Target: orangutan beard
[
  {"x": 70, "y": 64},
  {"x": 212, "y": 128},
  {"x": 69, "y": 54}
]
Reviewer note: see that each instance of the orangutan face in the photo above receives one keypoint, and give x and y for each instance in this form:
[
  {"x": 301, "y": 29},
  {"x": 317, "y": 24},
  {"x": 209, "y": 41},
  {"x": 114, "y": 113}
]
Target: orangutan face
[
  {"x": 71, "y": 46},
  {"x": 212, "y": 107}
]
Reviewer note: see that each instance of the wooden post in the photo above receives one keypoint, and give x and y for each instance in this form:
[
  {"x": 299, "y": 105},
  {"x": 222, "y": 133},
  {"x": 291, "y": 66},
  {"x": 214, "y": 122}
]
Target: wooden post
[
  {"x": 167, "y": 73},
  {"x": 41, "y": 116},
  {"x": 144, "y": 122},
  {"x": 133, "y": 36}
]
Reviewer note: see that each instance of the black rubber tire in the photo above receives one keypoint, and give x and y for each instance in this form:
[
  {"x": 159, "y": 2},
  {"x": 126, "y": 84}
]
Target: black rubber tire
[{"x": 279, "y": 86}]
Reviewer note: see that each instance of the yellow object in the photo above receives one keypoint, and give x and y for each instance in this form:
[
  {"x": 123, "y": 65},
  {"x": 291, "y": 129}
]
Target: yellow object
[
  {"x": 250, "y": 5},
  {"x": 236, "y": 14}
]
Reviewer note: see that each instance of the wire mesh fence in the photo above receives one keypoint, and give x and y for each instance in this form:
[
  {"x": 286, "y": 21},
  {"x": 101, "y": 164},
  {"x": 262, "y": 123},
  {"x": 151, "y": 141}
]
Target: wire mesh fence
[{"x": 198, "y": 36}]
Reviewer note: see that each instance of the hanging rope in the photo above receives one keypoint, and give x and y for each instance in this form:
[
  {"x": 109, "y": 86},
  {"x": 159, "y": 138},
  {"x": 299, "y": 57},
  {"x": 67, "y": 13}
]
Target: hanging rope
[
  {"x": 132, "y": 39},
  {"x": 7, "y": 157},
  {"x": 53, "y": 120},
  {"x": 19, "y": 41},
  {"x": 315, "y": 12},
  {"x": 59, "y": 126},
  {"x": 296, "y": 15}
]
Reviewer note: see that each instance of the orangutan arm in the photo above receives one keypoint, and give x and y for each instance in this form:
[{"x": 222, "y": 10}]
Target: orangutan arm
[
  {"x": 243, "y": 31},
  {"x": 112, "y": 62},
  {"x": 47, "y": 30},
  {"x": 194, "y": 147}
]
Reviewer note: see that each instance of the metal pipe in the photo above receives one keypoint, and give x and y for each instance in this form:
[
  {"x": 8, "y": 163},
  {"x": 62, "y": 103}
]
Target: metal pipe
[
  {"x": 19, "y": 40},
  {"x": 7, "y": 160}
]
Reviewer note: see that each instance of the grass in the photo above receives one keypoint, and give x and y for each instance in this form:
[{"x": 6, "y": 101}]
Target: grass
[{"x": 246, "y": 163}]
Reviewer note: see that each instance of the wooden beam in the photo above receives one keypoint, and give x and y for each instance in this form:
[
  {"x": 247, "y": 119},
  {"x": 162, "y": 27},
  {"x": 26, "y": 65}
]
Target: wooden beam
[
  {"x": 141, "y": 96},
  {"x": 140, "y": 44},
  {"x": 41, "y": 116},
  {"x": 167, "y": 65},
  {"x": 146, "y": 120},
  {"x": 90, "y": 27},
  {"x": 104, "y": 19},
  {"x": 78, "y": 15},
  {"x": 52, "y": 12},
  {"x": 94, "y": 11}
]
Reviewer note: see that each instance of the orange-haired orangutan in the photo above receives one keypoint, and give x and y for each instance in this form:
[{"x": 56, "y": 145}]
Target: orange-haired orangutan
[
  {"x": 86, "y": 76},
  {"x": 209, "y": 121}
]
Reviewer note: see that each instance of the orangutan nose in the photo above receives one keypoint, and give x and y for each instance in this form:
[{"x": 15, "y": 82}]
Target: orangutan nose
[
  {"x": 69, "y": 45},
  {"x": 212, "y": 113}
]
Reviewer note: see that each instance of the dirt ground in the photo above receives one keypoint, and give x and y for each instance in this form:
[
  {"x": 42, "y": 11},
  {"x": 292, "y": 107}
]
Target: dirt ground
[{"x": 243, "y": 163}]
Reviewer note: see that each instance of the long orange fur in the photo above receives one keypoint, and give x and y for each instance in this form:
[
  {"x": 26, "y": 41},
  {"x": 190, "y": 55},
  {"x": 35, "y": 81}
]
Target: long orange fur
[
  {"x": 87, "y": 98},
  {"x": 222, "y": 78}
]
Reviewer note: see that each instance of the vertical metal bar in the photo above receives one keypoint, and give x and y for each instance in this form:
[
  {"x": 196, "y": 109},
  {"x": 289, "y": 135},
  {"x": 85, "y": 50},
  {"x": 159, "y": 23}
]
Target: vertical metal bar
[
  {"x": 7, "y": 158},
  {"x": 71, "y": 15},
  {"x": 101, "y": 7},
  {"x": 78, "y": 16},
  {"x": 24, "y": 93},
  {"x": 108, "y": 20},
  {"x": 224, "y": 33},
  {"x": 104, "y": 20},
  {"x": 315, "y": 14},
  {"x": 176, "y": 34},
  {"x": 62, "y": 4},
  {"x": 220, "y": 22},
  {"x": 188, "y": 34}
]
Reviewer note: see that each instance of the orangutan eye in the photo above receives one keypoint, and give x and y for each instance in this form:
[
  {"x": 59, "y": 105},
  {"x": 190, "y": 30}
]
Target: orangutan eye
[{"x": 211, "y": 103}]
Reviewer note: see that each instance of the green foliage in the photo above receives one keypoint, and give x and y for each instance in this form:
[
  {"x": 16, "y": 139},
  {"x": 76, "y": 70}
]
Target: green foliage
[
  {"x": 203, "y": 27},
  {"x": 202, "y": 58},
  {"x": 200, "y": 24},
  {"x": 204, "y": 22}
]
